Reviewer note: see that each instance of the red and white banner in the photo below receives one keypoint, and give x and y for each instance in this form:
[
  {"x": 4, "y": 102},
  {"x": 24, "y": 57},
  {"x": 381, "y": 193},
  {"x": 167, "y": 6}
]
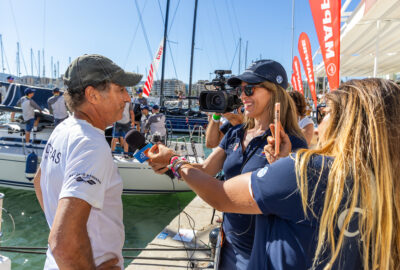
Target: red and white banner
[
  {"x": 306, "y": 58},
  {"x": 294, "y": 83},
  {"x": 297, "y": 74},
  {"x": 326, "y": 15},
  {"x": 153, "y": 69}
]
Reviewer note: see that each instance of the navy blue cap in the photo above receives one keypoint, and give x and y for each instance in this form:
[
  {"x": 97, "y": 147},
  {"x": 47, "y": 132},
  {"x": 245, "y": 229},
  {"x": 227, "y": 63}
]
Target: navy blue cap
[
  {"x": 260, "y": 71},
  {"x": 29, "y": 90},
  {"x": 144, "y": 107},
  {"x": 140, "y": 90},
  {"x": 10, "y": 78},
  {"x": 155, "y": 107},
  {"x": 56, "y": 89}
]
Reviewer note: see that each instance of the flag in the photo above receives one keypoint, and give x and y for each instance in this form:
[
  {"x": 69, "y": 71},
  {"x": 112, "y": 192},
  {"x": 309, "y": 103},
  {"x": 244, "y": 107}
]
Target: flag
[
  {"x": 297, "y": 74},
  {"x": 153, "y": 69},
  {"x": 304, "y": 47},
  {"x": 326, "y": 15}
]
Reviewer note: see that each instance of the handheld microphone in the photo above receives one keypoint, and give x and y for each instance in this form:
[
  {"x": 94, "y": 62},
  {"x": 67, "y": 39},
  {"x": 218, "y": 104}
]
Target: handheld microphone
[{"x": 138, "y": 142}]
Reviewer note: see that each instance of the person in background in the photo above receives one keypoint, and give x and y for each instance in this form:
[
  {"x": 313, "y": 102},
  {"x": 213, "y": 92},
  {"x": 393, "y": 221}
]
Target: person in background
[
  {"x": 156, "y": 123},
  {"x": 3, "y": 92},
  {"x": 122, "y": 126},
  {"x": 139, "y": 101},
  {"x": 57, "y": 107},
  {"x": 10, "y": 79},
  {"x": 219, "y": 125},
  {"x": 333, "y": 207},
  {"x": 78, "y": 184},
  {"x": 305, "y": 123},
  {"x": 145, "y": 117},
  {"x": 28, "y": 106},
  {"x": 180, "y": 100}
]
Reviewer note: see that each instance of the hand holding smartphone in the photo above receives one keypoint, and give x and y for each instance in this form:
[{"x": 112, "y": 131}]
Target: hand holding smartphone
[{"x": 277, "y": 123}]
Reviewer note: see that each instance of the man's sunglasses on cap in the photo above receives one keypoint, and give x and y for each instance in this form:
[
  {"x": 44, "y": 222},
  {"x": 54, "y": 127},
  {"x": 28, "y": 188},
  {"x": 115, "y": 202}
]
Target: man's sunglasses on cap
[{"x": 247, "y": 89}]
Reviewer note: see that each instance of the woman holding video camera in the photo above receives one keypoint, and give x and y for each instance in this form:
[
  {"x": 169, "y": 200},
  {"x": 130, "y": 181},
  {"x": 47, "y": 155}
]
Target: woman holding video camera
[
  {"x": 241, "y": 149},
  {"x": 333, "y": 207}
]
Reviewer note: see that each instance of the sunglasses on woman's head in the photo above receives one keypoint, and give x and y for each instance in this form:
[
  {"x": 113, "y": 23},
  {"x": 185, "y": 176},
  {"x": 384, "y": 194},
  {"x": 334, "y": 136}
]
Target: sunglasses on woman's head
[{"x": 247, "y": 89}]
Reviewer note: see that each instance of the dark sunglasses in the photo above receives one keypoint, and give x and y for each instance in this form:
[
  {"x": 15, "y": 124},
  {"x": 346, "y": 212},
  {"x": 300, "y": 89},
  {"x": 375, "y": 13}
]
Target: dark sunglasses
[{"x": 247, "y": 89}]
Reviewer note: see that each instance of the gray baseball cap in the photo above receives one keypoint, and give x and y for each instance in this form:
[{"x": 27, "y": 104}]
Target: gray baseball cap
[{"x": 91, "y": 69}]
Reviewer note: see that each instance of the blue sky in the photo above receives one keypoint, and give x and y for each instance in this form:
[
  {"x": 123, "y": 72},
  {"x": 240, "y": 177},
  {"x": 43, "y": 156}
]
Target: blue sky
[{"x": 112, "y": 28}]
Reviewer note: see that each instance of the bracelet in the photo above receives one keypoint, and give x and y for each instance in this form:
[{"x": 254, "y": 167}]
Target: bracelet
[
  {"x": 177, "y": 167},
  {"x": 216, "y": 118},
  {"x": 173, "y": 161}
]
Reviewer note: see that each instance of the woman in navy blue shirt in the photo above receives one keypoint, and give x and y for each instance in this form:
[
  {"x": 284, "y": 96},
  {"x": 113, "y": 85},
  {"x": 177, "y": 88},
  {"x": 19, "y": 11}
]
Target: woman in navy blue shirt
[
  {"x": 334, "y": 207},
  {"x": 242, "y": 148}
]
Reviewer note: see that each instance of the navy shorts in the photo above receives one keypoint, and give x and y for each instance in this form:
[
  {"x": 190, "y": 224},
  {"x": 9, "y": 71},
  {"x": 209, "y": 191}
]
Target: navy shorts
[
  {"x": 120, "y": 130},
  {"x": 29, "y": 125}
]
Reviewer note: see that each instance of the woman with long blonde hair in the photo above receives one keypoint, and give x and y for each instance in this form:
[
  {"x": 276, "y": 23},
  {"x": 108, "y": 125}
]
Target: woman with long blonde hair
[{"x": 333, "y": 207}]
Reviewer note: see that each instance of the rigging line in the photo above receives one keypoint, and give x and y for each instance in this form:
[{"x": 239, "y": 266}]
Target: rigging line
[
  {"x": 16, "y": 31},
  {"x": 159, "y": 6},
  {"x": 134, "y": 37},
  {"x": 5, "y": 57},
  {"x": 173, "y": 16},
  {"x": 230, "y": 21},
  {"x": 236, "y": 19},
  {"x": 172, "y": 58},
  {"x": 144, "y": 31},
  {"x": 220, "y": 33},
  {"x": 214, "y": 41},
  {"x": 234, "y": 56}
]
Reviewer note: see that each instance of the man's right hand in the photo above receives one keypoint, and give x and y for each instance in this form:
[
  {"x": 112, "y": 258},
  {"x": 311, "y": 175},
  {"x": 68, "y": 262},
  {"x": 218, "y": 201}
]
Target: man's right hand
[{"x": 111, "y": 264}]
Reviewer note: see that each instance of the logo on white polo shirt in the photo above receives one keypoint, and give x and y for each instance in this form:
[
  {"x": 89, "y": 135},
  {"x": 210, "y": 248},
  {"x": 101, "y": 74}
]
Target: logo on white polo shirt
[
  {"x": 262, "y": 172},
  {"x": 86, "y": 178}
]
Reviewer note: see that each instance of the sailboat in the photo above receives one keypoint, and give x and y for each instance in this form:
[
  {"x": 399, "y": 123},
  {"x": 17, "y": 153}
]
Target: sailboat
[{"x": 138, "y": 178}]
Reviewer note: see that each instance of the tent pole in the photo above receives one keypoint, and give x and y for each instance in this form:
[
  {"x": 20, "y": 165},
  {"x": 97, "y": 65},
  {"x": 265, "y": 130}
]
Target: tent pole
[{"x": 378, "y": 22}]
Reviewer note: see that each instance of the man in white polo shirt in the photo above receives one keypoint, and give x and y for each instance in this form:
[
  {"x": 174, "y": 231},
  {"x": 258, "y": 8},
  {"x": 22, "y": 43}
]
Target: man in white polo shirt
[{"x": 78, "y": 185}]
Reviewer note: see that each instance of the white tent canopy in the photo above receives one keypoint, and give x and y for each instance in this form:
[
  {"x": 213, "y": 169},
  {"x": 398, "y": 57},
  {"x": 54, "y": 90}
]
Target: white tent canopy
[{"x": 370, "y": 40}]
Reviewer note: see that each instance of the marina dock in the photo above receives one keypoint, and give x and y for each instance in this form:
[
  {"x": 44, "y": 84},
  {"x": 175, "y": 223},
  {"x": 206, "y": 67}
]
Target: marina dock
[{"x": 164, "y": 252}]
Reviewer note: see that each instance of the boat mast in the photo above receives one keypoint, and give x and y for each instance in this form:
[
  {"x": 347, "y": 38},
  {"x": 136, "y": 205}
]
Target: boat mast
[
  {"x": 240, "y": 52},
  {"x": 38, "y": 55},
  {"x": 192, "y": 52},
  {"x": 18, "y": 62},
  {"x": 291, "y": 59},
  {"x": 164, "y": 53},
  {"x": 2, "y": 56},
  {"x": 245, "y": 55}
]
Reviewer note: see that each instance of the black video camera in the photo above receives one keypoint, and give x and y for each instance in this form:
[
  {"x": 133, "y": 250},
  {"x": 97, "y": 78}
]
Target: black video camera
[{"x": 220, "y": 100}]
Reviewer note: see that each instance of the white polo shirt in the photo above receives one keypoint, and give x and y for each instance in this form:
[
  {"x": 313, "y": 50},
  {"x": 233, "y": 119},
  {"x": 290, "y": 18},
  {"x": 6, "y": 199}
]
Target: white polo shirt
[{"x": 77, "y": 162}]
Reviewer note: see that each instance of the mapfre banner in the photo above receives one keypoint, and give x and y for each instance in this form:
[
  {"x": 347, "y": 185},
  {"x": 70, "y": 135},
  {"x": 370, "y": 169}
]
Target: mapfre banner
[
  {"x": 306, "y": 58},
  {"x": 294, "y": 83},
  {"x": 326, "y": 15},
  {"x": 297, "y": 74}
]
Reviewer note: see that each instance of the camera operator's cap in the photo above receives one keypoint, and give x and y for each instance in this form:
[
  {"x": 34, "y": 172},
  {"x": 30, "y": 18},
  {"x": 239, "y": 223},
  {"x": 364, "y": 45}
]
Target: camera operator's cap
[
  {"x": 144, "y": 107},
  {"x": 56, "y": 90},
  {"x": 260, "y": 71},
  {"x": 29, "y": 90},
  {"x": 140, "y": 90},
  {"x": 91, "y": 69},
  {"x": 155, "y": 107}
]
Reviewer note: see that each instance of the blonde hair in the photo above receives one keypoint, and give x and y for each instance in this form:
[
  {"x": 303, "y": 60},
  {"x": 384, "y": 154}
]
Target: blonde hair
[
  {"x": 363, "y": 137},
  {"x": 288, "y": 110}
]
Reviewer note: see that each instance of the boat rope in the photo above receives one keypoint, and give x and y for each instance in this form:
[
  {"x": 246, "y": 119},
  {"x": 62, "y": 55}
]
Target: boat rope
[{"x": 134, "y": 37}]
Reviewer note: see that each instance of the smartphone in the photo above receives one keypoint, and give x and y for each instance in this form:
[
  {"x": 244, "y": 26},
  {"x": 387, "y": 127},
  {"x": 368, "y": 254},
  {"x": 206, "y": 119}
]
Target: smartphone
[{"x": 277, "y": 122}]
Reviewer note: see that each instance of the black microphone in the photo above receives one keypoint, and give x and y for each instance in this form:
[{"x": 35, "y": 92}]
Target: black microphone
[{"x": 137, "y": 142}]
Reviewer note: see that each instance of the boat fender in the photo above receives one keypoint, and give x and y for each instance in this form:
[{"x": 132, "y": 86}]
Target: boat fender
[{"x": 31, "y": 166}]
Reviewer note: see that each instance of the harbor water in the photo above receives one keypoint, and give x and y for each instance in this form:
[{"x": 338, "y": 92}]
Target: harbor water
[{"x": 144, "y": 217}]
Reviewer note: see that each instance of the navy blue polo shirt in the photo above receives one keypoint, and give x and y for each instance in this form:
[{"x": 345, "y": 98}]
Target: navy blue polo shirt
[
  {"x": 284, "y": 237},
  {"x": 239, "y": 228}
]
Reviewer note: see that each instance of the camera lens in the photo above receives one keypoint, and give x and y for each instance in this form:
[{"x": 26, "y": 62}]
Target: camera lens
[{"x": 216, "y": 101}]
